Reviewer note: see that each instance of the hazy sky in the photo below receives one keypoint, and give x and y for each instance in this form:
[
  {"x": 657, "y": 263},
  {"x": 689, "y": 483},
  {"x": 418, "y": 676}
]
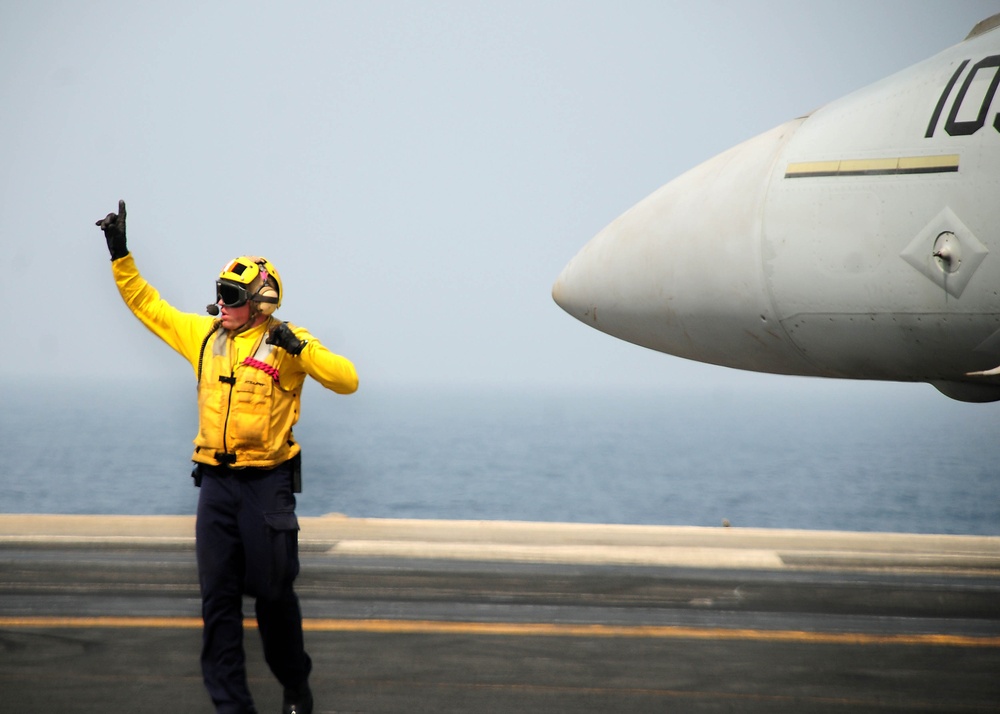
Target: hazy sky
[{"x": 419, "y": 173}]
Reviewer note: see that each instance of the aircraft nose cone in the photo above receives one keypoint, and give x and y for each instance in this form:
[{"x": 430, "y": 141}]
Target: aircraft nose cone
[{"x": 681, "y": 271}]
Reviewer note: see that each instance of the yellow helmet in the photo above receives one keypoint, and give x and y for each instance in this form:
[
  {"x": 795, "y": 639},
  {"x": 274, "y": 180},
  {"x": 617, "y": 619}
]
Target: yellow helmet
[{"x": 250, "y": 278}]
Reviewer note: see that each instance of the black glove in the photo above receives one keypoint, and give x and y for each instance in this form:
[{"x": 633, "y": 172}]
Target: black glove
[
  {"x": 113, "y": 226},
  {"x": 283, "y": 337}
]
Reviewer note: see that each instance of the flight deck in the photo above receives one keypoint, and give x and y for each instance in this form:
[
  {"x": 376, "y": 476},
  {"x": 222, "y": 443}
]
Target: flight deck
[{"x": 101, "y": 614}]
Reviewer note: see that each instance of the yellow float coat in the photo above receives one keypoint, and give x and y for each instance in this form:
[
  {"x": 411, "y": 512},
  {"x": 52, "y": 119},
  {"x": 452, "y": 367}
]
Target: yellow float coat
[{"x": 245, "y": 411}]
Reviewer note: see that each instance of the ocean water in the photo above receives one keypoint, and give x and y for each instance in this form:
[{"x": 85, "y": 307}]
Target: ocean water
[{"x": 806, "y": 457}]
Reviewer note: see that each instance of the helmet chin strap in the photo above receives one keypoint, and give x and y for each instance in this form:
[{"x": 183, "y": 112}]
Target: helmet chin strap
[
  {"x": 242, "y": 328},
  {"x": 251, "y": 320}
]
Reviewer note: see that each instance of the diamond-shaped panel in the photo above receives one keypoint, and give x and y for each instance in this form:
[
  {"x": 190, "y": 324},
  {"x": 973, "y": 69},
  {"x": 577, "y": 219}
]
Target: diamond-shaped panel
[{"x": 966, "y": 252}]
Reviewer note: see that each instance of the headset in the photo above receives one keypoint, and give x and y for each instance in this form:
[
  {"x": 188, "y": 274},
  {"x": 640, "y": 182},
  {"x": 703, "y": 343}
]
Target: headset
[{"x": 267, "y": 298}]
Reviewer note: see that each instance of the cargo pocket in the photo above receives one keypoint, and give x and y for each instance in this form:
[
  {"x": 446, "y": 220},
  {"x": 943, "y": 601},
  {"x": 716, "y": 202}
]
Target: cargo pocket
[
  {"x": 283, "y": 535},
  {"x": 251, "y": 411}
]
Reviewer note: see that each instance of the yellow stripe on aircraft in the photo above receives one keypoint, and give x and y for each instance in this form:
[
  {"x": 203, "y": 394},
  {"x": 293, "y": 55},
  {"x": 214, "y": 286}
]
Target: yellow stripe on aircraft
[
  {"x": 897, "y": 166},
  {"x": 525, "y": 629}
]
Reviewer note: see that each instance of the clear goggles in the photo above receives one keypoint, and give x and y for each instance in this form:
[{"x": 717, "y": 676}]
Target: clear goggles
[{"x": 231, "y": 294}]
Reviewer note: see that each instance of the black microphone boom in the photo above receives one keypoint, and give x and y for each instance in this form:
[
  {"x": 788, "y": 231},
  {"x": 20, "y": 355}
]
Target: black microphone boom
[{"x": 212, "y": 309}]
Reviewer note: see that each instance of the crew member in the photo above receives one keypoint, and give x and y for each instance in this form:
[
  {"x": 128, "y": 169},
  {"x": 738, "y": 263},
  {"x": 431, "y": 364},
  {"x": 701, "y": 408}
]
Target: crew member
[{"x": 250, "y": 368}]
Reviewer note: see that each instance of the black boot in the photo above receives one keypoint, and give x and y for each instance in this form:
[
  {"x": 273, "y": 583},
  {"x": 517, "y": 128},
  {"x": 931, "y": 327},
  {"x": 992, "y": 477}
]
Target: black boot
[{"x": 298, "y": 700}]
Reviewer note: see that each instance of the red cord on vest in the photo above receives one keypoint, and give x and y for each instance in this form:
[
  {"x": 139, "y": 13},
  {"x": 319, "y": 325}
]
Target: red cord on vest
[{"x": 262, "y": 366}]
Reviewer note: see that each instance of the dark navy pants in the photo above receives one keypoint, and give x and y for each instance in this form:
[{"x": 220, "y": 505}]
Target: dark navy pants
[{"x": 247, "y": 543}]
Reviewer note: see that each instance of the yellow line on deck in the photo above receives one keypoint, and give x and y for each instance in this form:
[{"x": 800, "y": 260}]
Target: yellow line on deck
[{"x": 524, "y": 629}]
